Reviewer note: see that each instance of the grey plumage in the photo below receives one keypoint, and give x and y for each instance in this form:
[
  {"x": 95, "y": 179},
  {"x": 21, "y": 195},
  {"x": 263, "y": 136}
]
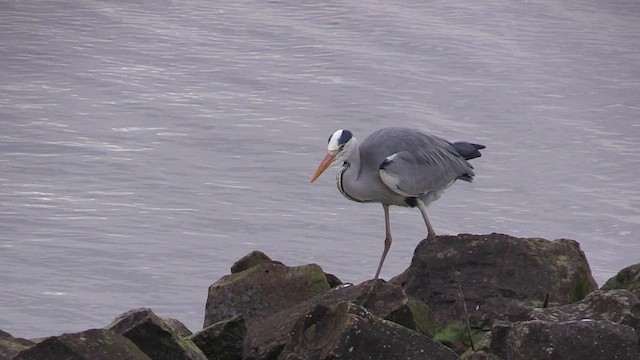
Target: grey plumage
[
  {"x": 398, "y": 166},
  {"x": 424, "y": 164}
]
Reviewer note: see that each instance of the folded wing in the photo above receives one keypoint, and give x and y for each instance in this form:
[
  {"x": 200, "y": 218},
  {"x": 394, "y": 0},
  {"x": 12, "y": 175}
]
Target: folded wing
[{"x": 426, "y": 163}]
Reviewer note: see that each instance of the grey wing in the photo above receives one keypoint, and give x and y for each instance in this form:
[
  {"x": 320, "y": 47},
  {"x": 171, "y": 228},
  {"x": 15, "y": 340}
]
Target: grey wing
[{"x": 426, "y": 164}]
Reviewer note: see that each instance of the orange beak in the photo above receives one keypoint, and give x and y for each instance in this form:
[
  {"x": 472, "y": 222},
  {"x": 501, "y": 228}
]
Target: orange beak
[{"x": 326, "y": 162}]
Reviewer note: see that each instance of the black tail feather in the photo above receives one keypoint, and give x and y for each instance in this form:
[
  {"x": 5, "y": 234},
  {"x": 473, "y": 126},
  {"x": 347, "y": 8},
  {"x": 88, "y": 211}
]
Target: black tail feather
[{"x": 468, "y": 150}]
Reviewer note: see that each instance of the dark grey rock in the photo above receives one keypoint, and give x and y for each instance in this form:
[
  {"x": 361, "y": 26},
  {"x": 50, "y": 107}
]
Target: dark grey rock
[
  {"x": 262, "y": 290},
  {"x": 222, "y": 340},
  {"x": 482, "y": 355},
  {"x": 268, "y": 336},
  {"x": 617, "y": 306},
  {"x": 570, "y": 340},
  {"x": 177, "y": 327},
  {"x": 9, "y": 346},
  {"x": 502, "y": 277},
  {"x": 154, "y": 337},
  {"x": 333, "y": 280},
  {"x": 94, "y": 344},
  {"x": 349, "y": 331},
  {"x": 250, "y": 260},
  {"x": 627, "y": 279}
]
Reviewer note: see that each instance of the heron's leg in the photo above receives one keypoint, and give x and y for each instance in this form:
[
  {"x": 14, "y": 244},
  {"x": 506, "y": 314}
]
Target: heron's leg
[
  {"x": 387, "y": 238},
  {"x": 423, "y": 209}
]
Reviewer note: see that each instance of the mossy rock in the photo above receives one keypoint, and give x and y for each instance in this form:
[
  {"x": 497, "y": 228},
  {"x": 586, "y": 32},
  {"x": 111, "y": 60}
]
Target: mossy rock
[
  {"x": 93, "y": 344},
  {"x": 10, "y": 346},
  {"x": 266, "y": 337},
  {"x": 454, "y": 335},
  {"x": 581, "y": 285},
  {"x": 154, "y": 336},
  {"x": 627, "y": 279},
  {"x": 415, "y": 315},
  {"x": 222, "y": 340},
  {"x": 263, "y": 290},
  {"x": 501, "y": 277},
  {"x": 568, "y": 340},
  {"x": 349, "y": 331},
  {"x": 250, "y": 260}
]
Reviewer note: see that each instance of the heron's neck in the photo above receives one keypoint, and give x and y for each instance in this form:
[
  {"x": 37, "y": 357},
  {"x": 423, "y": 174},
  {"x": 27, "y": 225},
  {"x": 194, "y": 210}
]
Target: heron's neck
[
  {"x": 348, "y": 174},
  {"x": 352, "y": 161}
]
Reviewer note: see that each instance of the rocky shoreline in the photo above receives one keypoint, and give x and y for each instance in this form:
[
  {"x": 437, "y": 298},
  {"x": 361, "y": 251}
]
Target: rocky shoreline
[{"x": 467, "y": 296}]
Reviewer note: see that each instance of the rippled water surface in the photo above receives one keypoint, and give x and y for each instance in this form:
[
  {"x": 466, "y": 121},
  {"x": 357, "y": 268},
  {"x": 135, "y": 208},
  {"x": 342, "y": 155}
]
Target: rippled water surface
[{"x": 146, "y": 146}]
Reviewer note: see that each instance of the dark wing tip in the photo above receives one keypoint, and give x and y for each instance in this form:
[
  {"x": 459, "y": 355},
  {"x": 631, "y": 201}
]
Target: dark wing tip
[
  {"x": 468, "y": 150},
  {"x": 466, "y": 177}
]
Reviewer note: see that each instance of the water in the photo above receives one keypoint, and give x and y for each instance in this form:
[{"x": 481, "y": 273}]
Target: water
[{"x": 146, "y": 146}]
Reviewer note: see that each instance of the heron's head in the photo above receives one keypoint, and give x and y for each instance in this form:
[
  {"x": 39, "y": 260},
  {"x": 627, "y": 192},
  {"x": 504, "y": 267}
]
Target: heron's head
[{"x": 340, "y": 145}]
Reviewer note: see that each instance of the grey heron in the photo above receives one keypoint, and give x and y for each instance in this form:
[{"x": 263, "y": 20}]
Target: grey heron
[{"x": 397, "y": 166}]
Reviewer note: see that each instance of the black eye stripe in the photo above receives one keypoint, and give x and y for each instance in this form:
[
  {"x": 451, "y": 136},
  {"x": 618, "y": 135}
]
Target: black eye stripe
[{"x": 345, "y": 137}]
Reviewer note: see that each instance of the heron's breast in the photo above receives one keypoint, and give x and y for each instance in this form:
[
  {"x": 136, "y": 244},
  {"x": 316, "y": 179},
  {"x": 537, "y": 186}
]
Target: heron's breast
[{"x": 368, "y": 191}]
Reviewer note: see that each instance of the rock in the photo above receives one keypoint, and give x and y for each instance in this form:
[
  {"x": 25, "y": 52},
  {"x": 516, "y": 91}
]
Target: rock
[
  {"x": 502, "y": 277},
  {"x": 571, "y": 340},
  {"x": 268, "y": 336},
  {"x": 154, "y": 337},
  {"x": 222, "y": 340},
  {"x": 482, "y": 355},
  {"x": 9, "y": 346},
  {"x": 628, "y": 279},
  {"x": 480, "y": 346},
  {"x": 387, "y": 301},
  {"x": 348, "y": 331},
  {"x": 455, "y": 335},
  {"x": 262, "y": 290},
  {"x": 177, "y": 327},
  {"x": 250, "y": 260},
  {"x": 333, "y": 280},
  {"x": 258, "y": 257},
  {"x": 617, "y": 306},
  {"x": 94, "y": 344}
]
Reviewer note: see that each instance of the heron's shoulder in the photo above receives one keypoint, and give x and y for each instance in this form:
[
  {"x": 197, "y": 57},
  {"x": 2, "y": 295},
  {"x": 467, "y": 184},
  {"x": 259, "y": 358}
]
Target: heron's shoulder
[{"x": 403, "y": 138}]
